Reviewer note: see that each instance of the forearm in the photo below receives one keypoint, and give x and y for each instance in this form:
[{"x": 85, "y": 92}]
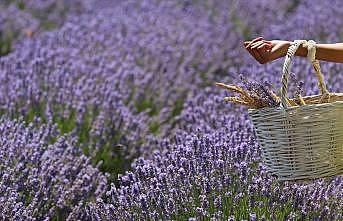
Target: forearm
[{"x": 325, "y": 52}]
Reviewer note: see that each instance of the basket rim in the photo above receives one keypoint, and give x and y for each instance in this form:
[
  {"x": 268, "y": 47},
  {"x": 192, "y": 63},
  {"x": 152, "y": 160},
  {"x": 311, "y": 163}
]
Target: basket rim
[{"x": 278, "y": 108}]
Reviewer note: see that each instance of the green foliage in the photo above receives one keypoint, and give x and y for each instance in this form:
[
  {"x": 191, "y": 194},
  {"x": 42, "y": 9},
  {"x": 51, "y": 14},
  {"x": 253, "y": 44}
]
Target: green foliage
[
  {"x": 21, "y": 5},
  {"x": 5, "y": 44},
  {"x": 147, "y": 104},
  {"x": 48, "y": 25},
  {"x": 178, "y": 107},
  {"x": 154, "y": 127}
]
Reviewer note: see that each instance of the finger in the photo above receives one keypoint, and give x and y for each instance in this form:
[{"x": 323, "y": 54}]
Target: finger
[
  {"x": 261, "y": 46},
  {"x": 255, "y": 54},
  {"x": 269, "y": 42},
  {"x": 246, "y": 43},
  {"x": 250, "y": 52},
  {"x": 268, "y": 48},
  {"x": 264, "y": 45},
  {"x": 268, "y": 45},
  {"x": 264, "y": 48},
  {"x": 257, "y": 44},
  {"x": 254, "y": 40},
  {"x": 258, "y": 56}
]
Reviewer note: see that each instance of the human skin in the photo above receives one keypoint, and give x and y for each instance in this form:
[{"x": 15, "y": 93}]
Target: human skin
[{"x": 265, "y": 51}]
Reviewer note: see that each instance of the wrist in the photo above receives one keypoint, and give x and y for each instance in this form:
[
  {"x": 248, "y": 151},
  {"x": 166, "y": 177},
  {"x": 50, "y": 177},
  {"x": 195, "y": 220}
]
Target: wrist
[
  {"x": 302, "y": 50},
  {"x": 281, "y": 51}
]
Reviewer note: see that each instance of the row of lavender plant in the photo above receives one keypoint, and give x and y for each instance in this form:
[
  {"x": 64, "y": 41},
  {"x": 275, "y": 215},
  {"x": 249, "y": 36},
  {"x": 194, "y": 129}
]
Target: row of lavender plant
[
  {"x": 210, "y": 170},
  {"x": 43, "y": 175},
  {"x": 24, "y": 19},
  {"x": 111, "y": 81}
]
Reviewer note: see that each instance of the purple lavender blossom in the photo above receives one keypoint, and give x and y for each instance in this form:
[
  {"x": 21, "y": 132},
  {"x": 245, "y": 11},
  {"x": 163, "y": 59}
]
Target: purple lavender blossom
[
  {"x": 41, "y": 180},
  {"x": 260, "y": 92},
  {"x": 129, "y": 81},
  {"x": 224, "y": 158}
]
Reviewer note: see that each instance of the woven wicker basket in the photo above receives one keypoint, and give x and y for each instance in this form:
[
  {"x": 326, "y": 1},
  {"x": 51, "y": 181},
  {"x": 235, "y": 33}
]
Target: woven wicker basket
[{"x": 302, "y": 142}]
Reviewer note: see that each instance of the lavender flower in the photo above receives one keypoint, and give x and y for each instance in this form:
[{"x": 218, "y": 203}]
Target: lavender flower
[
  {"x": 187, "y": 168},
  {"x": 41, "y": 180},
  {"x": 127, "y": 81},
  {"x": 261, "y": 92}
]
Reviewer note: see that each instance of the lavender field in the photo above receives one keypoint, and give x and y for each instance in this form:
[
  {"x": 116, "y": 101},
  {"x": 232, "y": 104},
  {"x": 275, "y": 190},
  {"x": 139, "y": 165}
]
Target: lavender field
[{"x": 109, "y": 109}]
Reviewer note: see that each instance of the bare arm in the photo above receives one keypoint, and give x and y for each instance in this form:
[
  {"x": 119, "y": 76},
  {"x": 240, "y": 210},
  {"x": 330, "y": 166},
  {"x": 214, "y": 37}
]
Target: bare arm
[
  {"x": 325, "y": 52},
  {"x": 265, "y": 51}
]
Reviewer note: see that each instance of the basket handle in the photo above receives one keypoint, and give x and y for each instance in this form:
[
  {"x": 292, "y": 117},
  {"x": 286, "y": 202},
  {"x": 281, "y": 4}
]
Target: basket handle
[
  {"x": 287, "y": 66},
  {"x": 286, "y": 69},
  {"x": 311, "y": 55}
]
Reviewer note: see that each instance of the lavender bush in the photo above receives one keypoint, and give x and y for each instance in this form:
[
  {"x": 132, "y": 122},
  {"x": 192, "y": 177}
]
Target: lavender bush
[
  {"x": 129, "y": 87},
  {"x": 14, "y": 24},
  {"x": 83, "y": 78},
  {"x": 214, "y": 175},
  {"x": 24, "y": 19},
  {"x": 39, "y": 180}
]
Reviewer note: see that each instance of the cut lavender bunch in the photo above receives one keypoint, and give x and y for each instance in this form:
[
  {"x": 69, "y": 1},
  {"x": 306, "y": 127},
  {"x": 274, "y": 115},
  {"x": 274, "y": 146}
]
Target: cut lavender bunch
[
  {"x": 298, "y": 93},
  {"x": 299, "y": 89},
  {"x": 261, "y": 92}
]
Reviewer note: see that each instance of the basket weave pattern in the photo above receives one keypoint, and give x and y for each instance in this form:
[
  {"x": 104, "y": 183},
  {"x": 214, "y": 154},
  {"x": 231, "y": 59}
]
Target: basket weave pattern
[{"x": 302, "y": 142}]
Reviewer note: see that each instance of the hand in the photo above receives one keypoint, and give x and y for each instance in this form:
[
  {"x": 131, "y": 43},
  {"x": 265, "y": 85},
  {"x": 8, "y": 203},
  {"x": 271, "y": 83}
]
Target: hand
[{"x": 265, "y": 51}]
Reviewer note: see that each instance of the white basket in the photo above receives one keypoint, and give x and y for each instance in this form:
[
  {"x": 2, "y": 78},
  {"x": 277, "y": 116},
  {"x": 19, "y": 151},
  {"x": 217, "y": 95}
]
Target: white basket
[{"x": 302, "y": 142}]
